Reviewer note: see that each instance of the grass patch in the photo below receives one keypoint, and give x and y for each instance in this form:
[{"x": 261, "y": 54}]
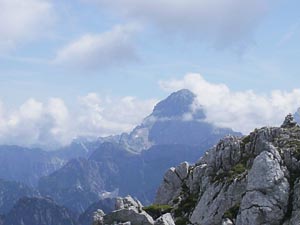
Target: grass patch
[
  {"x": 246, "y": 140},
  {"x": 232, "y": 212},
  {"x": 182, "y": 221},
  {"x": 295, "y": 145},
  {"x": 230, "y": 175},
  {"x": 186, "y": 206}
]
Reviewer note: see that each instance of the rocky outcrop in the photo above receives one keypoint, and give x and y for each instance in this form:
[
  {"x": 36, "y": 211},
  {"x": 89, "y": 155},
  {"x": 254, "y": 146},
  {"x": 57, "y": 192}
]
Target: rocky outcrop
[
  {"x": 165, "y": 219},
  {"x": 130, "y": 211},
  {"x": 252, "y": 180},
  {"x": 107, "y": 205}
]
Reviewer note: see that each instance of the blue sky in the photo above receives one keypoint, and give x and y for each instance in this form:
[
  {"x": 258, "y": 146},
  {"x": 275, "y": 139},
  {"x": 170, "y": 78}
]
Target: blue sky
[{"x": 115, "y": 49}]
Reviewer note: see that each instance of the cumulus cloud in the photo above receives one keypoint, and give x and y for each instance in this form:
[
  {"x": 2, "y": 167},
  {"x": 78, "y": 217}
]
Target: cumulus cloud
[
  {"x": 111, "y": 48},
  {"x": 108, "y": 116},
  {"x": 241, "y": 110},
  {"x": 224, "y": 23},
  {"x": 52, "y": 124},
  {"x": 23, "y": 20}
]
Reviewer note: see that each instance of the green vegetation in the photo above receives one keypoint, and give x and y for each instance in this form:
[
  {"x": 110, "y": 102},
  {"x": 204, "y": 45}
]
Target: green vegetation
[
  {"x": 235, "y": 171},
  {"x": 157, "y": 210},
  {"x": 186, "y": 206},
  {"x": 181, "y": 221},
  {"x": 246, "y": 140},
  {"x": 232, "y": 212},
  {"x": 295, "y": 145},
  {"x": 176, "y": 200}
]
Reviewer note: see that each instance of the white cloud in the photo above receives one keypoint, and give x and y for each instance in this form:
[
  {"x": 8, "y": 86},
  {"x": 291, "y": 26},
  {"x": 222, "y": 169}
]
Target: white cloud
[
  {"x": 221, "y": 22},
  {"x": 242, "y": 111},
  {"x": 23, "y": 20},
  {"x": 53, "y": 124},
  {"x": 111, "y": 48},
  {"x": 106, "y": 116}
]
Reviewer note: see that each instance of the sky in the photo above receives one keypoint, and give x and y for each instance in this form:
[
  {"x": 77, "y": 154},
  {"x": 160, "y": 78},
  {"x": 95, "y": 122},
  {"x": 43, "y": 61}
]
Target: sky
[{"x": 97, "y": 67}]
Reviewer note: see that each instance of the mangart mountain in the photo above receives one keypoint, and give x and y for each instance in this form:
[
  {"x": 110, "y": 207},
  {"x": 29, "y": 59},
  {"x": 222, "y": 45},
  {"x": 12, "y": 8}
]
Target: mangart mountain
[
  {"x": 250, "y": 180},
  {"x": 73, "y": 182},
  {"x": 163, "y": 140}
]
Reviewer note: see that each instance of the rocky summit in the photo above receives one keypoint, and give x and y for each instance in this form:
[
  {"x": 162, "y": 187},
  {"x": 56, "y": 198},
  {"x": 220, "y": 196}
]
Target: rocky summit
[{"x": 250, "y": 180}]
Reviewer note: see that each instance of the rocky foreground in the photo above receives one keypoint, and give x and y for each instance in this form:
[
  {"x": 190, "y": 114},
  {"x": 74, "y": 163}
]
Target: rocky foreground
[{"x": 253, "y": 180}]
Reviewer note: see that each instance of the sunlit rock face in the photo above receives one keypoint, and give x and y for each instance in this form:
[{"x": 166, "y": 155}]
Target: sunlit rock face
[{"x": 249, "y": 180}]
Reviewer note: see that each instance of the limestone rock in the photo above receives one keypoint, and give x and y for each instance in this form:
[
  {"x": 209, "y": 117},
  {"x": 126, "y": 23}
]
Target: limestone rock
[
  {"x": 170, "y": 187},
  {"x": 227, "y": 222},
  {"x": 267, "y": 192},
  {"x": 165, "y": 219},
  {"x": 289, "y": 122},
  {"x": 250, "y": 180},
  {"x": 128, "y": 211}
]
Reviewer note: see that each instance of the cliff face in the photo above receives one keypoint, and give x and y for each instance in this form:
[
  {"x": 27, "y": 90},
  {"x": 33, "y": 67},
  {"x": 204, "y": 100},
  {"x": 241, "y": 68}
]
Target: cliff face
[{"x": 252, "y": 180}]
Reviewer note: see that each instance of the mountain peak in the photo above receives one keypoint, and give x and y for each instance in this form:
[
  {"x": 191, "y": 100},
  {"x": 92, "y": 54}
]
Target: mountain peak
[
  {"x": 176, "y": 104},
  {"x": 289, "y": 121}
]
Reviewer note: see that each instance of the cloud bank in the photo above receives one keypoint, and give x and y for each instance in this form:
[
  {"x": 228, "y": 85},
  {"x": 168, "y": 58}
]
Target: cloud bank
[
  {"x": 52, "y": 124},
  {"x": 111, "y": 48},
  {"x": 241, "y": 110},
  {"x": 223, "y": 23}
]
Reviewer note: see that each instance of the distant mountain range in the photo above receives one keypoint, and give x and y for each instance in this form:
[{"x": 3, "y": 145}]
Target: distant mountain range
[
  {"x": 79, "y": 175},
  {"x": 38, "y": 211}
]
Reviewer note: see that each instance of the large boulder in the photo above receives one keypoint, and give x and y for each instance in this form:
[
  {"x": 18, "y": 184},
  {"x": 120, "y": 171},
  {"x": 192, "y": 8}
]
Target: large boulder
[
  {"x": 128, "y": 211},
  {"x": 165, "y": 219}
]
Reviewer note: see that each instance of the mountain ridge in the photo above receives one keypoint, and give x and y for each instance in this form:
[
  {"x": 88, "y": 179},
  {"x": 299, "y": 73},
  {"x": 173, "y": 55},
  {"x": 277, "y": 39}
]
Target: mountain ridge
[{"x": 249, "y": 180}]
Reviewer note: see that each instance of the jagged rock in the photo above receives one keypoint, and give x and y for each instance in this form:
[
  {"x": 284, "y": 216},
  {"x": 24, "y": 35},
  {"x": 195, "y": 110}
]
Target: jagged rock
[
  {"x": 295, "y": 209},
  {"x": 98, "y": 217},
  {"x": 128, "y": 211},
  {"x": 182, "y": 170},
  {"x": 128, "y": 215},
  {"x": 171, "y": 186},
  {"x": 267, "y": 192},
  {"x": 128, "y": 203},
  {"x": 227, "y": 222},
  {"x": 165, "y": 219},
  {"x": 289, "y": 122},
  {"x": 251, "y": 180},
  {"x": 172, "y": 183}
]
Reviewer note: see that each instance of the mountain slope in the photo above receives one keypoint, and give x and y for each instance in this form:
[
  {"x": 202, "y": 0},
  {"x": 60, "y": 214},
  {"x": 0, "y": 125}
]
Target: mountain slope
[
  {"x": 112, "y": 168},
  {"x": 244, "y": 181},
  {"x": 11, "y": 192},
  {"x": 174, "y": 120},
  {"x": 251, "y": 180},
  {"x": 38, "y": 211},
  {"x": 26, "y": 165},
  {"x": 135, "y": 163},
  {"x": 76, "y": 185}
]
